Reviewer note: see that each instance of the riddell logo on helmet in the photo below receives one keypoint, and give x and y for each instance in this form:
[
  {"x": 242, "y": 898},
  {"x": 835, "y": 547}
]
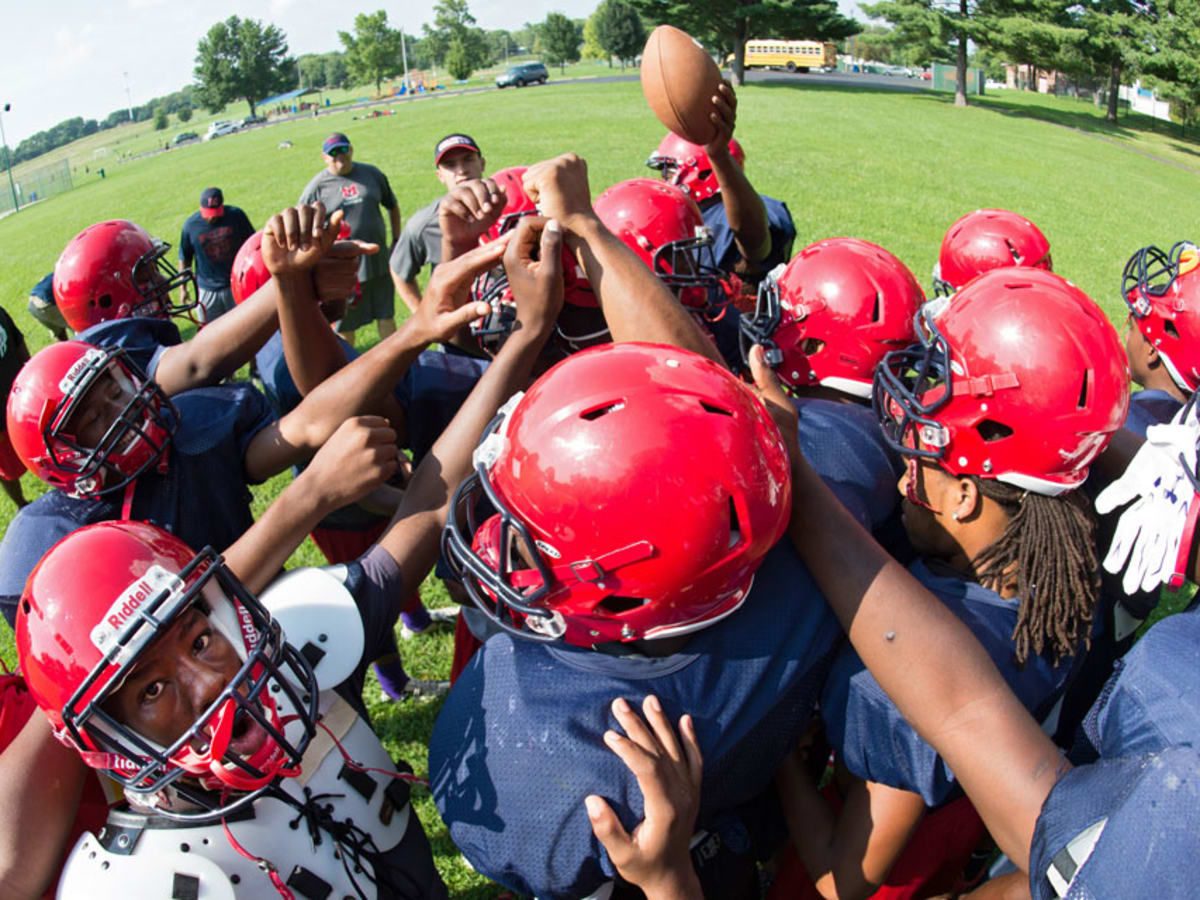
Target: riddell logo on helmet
[
  {"x": 125, "y": 610},
  {"x": 77, "y": 370}
]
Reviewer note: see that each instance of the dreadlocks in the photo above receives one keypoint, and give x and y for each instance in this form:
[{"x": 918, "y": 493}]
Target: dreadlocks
[{"x": 1048, "y": 550}]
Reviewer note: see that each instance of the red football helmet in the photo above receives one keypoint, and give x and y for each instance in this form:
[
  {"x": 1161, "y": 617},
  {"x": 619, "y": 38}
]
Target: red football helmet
[
  {"x": 114, "y": 270},
  {"x": 686, "y": 164},
  {"x": 663, "y": 226},
  {"x": 1019, "y": 377},
  {"x": 988, "y": 239},
  {"x": 249, "y": 272},
  {"x": 517, "y": 203},
  {"x": 604, "y": 530},
  {"x": 56, "y": 384},
  {"x": 78, "y": 638},
  {"x": 832, "y": 314},
  {"x": 1162, "y": 291}
]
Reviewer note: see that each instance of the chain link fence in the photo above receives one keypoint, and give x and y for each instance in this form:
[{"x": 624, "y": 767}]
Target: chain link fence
[{"x": 31, "y": 185}]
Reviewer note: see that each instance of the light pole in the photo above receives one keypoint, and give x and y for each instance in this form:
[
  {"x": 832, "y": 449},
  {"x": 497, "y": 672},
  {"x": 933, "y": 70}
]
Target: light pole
[
  {"x": 128, "y": 96},
  {"x": 8, "y": 160}
]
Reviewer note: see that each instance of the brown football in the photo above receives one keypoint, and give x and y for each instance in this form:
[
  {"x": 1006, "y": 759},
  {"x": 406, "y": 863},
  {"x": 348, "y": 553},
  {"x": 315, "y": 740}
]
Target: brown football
[{"x": 679, "y": 80}]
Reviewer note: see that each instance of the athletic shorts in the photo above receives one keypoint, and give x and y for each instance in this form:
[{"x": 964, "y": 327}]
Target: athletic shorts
[
  {"x": 214, "y": 303},
  {"x": 378, "y": 301},
  {"x": 47, "y": 314}
]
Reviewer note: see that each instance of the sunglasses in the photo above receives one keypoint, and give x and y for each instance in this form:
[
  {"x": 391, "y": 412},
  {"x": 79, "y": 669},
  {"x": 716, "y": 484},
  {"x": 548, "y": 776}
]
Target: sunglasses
[{"x": 338, "y": 151}]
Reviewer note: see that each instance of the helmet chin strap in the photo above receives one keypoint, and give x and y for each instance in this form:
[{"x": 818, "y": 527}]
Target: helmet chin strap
[{"x": 127, "y": 501}]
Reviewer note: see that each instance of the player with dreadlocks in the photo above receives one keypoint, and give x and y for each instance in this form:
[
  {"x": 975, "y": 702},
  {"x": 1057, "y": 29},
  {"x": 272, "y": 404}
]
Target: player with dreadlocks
[{"x": 1017, "y": 385}]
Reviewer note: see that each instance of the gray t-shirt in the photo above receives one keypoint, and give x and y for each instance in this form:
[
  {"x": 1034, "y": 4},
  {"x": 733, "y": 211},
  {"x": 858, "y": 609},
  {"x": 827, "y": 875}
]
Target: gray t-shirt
[
  {"x": 359, "y": 195},
  {"x": 420, "y": 243}
]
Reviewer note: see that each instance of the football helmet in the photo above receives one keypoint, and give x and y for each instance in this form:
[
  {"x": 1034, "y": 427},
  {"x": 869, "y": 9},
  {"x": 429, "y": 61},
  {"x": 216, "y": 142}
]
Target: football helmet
[
  {"x": 830, "y": 316},
  {"x": 517, "y": 203},
  {"x": 79, "y": 638},
  {"x": 249, "y": 272},
  {"x": 1019, "y": 376},
  {"x": 663, "y": 226},
  {"x": 68, "y": 378},
  {"x": 1162, "y": 291},
  {"x": 114, "y": 270},
  {"x": 603, "y": 531},
  {"x": 988, "y": 239},
  {"x": 686, "y": 165}
]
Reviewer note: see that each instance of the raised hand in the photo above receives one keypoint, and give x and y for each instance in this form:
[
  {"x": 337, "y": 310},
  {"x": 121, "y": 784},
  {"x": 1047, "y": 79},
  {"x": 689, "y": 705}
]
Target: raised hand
[
  {"x": 336, "y": 273},
  {"x": 358, "y": 457},
  {"x": 469, "y": 209},
  {"x": 559, "y": 186},
  {"x": 534, "y": 265},
  {"x": 654, "y": 856},
  {"x": 768, "y": 389},
  {"x": 297, "y": 237},
  {"x": 724, "y": 116},
  {"x": 444, "y": 309}
]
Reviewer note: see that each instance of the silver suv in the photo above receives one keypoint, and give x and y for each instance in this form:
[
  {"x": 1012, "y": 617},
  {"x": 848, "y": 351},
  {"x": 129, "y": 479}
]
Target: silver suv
[{"x": 522, "y": 74}]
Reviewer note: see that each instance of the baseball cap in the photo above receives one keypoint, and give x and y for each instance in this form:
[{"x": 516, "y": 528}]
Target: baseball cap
[
  {"x": 212, "y": 203},
  {"x": 453, "y": 142},
  {"x": 335, "y": 140}
]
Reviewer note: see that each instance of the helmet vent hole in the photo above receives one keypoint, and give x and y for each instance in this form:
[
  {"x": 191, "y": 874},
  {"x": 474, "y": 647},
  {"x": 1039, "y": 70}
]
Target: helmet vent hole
[
  {"x": 812, "y": 346},
  {"x": 1013, "y": 250},
  {"x": 991, "y": 430},
  {"x": 876, "y": 314},
  {"x": 1083, "y": 388},
  {"x": 1169, "y": 328},
  {"x": 735, "y": 525},
  {"x": 716, "y": 410},
  {"x": 615, "y": 605},
  {"x": 25, "y": 606},
  {"x": 602, "y": 410},
  {"x": 104, "y": 301}
]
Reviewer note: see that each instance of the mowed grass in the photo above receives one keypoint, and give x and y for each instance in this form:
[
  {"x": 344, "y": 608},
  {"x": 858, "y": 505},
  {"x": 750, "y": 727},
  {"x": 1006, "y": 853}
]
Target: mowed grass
[{"x": 893, "y": 168}]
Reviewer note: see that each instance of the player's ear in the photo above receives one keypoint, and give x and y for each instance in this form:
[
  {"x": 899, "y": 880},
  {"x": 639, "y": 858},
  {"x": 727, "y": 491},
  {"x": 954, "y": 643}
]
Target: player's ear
[{"x": 968, "y": 500}]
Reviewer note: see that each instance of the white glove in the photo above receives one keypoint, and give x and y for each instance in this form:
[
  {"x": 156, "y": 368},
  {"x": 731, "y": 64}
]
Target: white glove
[{"x": 1148, "y": 535}]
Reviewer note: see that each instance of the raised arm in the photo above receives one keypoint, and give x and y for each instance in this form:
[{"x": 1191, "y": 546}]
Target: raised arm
[
  {"x": 414, "y": 535},
  {"x": 744, "y": 209},
  {"x": 637, "y": 306},
  {"x": 365, "y": 385},
  {"x": 925, "y": 658}
]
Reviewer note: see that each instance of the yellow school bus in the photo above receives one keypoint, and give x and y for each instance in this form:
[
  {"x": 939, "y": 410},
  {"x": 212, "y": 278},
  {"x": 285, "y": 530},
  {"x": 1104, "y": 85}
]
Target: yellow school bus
[{"x": 795, "y": 56}]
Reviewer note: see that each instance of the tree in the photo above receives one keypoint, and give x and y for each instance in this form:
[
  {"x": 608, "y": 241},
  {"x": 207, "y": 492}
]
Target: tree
[
  {"x": 160, "y": 119},
  {"x": 726, "y": 25},
  {"x": 373, "y": 51},
  {"x": 185, "y": 114},
  {"x": 591, "y": 41},
  {"x": 560, "y": 39},
  {"x": 241, "y": 59},
  {"x": 933, "y": 24},
  {"x": 620, "y": 30},
  {"x": 453, "y": 39}
]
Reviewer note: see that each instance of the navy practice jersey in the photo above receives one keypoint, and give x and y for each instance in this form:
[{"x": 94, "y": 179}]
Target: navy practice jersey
[
  {"x": 1148, "y": 408},
  {"x": 143, "y": 339},
  {"x": 779, "y": 223},
  {"x": 844, "y": 444},
  {"x": 1145, "y": 789},
  {"x": 202, "y": 497},
  {"x": 518, "y": 745},
  {"x": 209, "y": 246},
  {"x": 872, "y": 737},
  {"x": 431, "y": 392}
]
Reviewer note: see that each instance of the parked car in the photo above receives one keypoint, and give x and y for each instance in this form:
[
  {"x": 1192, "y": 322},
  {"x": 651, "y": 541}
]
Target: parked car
[
  {"x": 184, "y": 136},
  {"x": 522, "y": 74},
  {"x": 220, "y": 128},
  {"x": 252, "y": 120}
]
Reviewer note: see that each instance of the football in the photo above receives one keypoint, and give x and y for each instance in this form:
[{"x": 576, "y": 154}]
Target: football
[{"x": 679, "y": 80}]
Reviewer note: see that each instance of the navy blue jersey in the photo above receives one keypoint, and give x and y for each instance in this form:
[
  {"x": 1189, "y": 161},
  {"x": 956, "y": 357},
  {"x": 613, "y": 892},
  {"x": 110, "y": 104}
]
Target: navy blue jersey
[
  {"x": 143, "y": 339},
  {"x": 1124, "y": 827},
  {"x": 202, "y": 497},
  {"x": 1145, "y": 788},
  {"x": 518, "y": 746},
  {"x": 1148, "y": 408},
  {"x": 277, "y": 380},
  {"x": 873, "y": 738},
  {"x": 779, "y": 223},
  {"x": 210, "y": 245},
  {"x": 1152, "y": 700},
  {"x": 844, "y": 444}
]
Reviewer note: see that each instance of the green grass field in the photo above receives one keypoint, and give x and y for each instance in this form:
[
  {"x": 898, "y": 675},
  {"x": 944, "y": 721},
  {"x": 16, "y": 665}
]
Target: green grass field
[{"x": 893, "y": 168}]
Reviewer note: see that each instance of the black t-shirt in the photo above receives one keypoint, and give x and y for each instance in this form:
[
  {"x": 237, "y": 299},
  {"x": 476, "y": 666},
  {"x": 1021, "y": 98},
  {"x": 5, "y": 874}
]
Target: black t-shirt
[
  {"x": 11, "y": 358},
  {"x": 213, "y": 243}
]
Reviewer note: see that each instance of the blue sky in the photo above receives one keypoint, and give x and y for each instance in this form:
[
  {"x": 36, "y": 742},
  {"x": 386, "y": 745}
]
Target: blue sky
[{"x": 64, "y": 59}]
